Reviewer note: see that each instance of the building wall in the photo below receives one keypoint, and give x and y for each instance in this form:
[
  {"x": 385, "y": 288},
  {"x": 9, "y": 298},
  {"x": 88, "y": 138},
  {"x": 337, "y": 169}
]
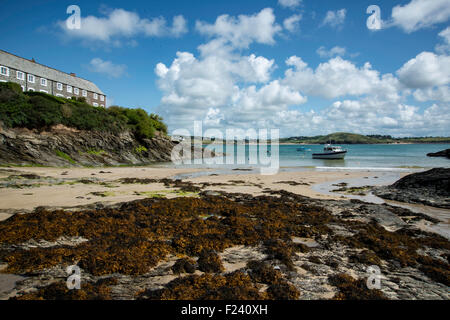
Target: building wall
[{"x": 51, "y": 87}]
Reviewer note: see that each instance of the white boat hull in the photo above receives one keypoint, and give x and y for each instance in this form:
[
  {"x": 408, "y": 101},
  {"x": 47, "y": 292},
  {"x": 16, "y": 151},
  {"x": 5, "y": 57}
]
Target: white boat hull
[{"x": 330, "y": 155}]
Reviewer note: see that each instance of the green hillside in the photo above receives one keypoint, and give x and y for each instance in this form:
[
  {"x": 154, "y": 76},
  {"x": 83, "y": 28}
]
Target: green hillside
[
  {"x": 352, "y": 138},
  {"x": 38, "y": 110}
]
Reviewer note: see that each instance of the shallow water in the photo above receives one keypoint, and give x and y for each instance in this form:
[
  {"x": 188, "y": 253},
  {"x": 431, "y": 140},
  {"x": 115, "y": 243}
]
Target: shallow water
[
  {"x": 386, "y": 157},
  {"x": 386, "y": 178}
]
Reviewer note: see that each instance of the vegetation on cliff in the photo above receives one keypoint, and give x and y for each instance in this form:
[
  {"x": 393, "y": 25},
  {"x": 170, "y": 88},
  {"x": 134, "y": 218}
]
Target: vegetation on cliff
[{"x": 38, "y": 110}]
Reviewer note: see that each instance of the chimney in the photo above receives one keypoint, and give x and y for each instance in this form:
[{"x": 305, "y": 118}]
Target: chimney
[
  {"x": 32, "y": 60},
  {"x": 73, "y": 74}
]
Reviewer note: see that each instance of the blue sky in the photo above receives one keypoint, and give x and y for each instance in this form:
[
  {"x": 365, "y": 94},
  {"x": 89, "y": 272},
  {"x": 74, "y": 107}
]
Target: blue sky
[{"x": 298, "y": 65}]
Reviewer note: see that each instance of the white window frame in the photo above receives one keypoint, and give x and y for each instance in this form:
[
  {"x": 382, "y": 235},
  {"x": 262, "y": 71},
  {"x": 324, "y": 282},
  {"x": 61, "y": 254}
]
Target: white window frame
[
  {"x": 22, "y": 77},
  {"x": 76, "y": 91},
  {"x": 43, "y": 82},
  {"x": 59, "y": 86},
  {"x": 84, "y": 92},
  {"x": 23, "y": 88},
  {"x": 7, "y": 71},
  {"x": 59, "y": 95},
  {"x": 30, "y": 76},
  {"x": 95, "y": 104},
  {"x": 69, "y": 89},
  {"x": 95, "y": 96},
  {"x": 102, "y": 98},
  {"x": 102, "y": 105},
  {"x": 31, "y": 89},
  {"x": 45, "y": 91}
]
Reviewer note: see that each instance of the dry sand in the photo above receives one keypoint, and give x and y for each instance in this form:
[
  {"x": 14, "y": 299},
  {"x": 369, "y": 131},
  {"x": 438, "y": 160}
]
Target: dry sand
[{"x": 73, "y": 193}]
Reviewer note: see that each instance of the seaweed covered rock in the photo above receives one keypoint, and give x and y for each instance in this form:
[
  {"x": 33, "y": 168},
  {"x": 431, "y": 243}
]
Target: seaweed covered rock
[
  {"x": 431, "y": 188},
  {"x": 352, "y": 289},
  {"x": 280, "y": 250},
  {"x": 209, "y": 261},
  {"x": 58, "y": 291},
  {"x": 443, "y": 153},
  {"x": 185, "y": 265},
  {"x": 233, "y": 286},
  {"x": 283, "y": 291},
  {"x": 263, "y": 272}
]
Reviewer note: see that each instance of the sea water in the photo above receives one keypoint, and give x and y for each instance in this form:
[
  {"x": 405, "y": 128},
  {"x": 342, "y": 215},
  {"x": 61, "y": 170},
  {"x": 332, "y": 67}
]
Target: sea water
[{"x": 379, "y": 157}]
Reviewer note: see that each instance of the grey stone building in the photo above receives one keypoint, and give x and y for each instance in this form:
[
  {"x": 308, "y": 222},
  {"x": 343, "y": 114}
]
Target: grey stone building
[{"x": 33, "y": 76}]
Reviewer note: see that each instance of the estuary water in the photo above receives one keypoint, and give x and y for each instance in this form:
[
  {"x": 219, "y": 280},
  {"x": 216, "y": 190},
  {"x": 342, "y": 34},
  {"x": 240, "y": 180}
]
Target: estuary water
[{"x": 377, "y": 157}]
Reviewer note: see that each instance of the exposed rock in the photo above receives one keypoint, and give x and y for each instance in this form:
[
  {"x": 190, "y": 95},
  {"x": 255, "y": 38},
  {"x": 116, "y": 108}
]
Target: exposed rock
[
  {"x": 443, "y": 153},
  {"x": 69, "y": 147},
  {"x": 431, "y": 188}
]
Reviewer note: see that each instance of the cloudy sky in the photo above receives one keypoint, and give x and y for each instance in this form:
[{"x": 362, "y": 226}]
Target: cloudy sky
[{"x": 306, "y": 67}]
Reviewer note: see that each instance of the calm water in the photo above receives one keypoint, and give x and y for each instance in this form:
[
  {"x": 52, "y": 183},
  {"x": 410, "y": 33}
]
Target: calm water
[
  {"x": 382, "y": 157},
  {"x": 369, "y": 156}
]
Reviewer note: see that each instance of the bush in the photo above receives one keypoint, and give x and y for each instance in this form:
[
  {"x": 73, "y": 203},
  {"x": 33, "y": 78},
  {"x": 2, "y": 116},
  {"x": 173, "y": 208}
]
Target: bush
[{"x": 38, "y": 110}]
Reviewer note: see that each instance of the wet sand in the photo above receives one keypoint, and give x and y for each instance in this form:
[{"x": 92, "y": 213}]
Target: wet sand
[{"x": 61, "y": 187}]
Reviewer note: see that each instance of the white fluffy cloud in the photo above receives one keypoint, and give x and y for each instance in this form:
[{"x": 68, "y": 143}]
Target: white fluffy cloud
[
  {"x": 433, "y": 94},
  {"x": 292, "y": 23},
  {"x": 221, "y": 87},
  {"x": 335, "y": 19},
  {"x": 107, "y": 67},
  {"x": 289, "y": 3},
  {"x": 243, "y": 30},
  {"x": 338, "y": 77},
  {"x": 335, "y": 51},
  {"x": 425, "y": 70},
  {"x": 444, "y": 48},
  {"x": 225, "y": 87},
  {"x": 120, "y": 23},
  {"x": 419, "y": 14}
]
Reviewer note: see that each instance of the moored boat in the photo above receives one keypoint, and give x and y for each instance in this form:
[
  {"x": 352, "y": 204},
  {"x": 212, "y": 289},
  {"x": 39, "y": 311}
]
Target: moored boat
[{"x": 331, "y": 152}]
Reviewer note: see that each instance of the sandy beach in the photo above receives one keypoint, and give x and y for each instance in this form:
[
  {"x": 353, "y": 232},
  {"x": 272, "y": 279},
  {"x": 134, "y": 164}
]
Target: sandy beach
[
  {"x": 70, "y": 187},
  {"x": 157, "y": 225}
]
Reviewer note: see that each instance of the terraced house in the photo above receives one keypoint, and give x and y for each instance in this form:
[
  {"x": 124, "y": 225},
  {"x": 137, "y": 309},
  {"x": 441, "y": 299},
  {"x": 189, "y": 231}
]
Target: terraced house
[{"x": 33, "y": 76}]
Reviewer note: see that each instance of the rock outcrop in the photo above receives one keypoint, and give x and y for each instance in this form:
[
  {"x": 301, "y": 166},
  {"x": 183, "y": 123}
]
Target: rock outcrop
[
  {"x": 443, "y": 153},
  {"x": 62, "y": 146},
  {"x": 430, "y": 188}
]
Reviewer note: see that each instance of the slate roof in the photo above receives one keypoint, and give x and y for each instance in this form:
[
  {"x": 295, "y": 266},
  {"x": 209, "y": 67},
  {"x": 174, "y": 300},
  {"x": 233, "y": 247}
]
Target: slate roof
[{"x": 10, "y": 60}]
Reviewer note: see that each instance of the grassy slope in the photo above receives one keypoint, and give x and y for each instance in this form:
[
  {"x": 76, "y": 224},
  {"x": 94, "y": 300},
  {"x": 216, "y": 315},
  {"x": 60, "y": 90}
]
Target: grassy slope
[{"x": 352, "y": 138}]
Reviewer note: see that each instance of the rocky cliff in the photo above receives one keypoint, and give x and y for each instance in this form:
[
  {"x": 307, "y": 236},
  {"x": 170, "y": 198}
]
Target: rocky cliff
[{"x": 62, "y": 146}]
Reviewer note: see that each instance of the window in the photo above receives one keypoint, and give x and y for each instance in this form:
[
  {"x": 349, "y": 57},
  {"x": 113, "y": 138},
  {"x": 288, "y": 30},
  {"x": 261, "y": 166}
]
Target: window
[
  {"x": 102, "y": 105},
  {"x": 30, "y": 78},
  {"x": 23, "y": 88},
  {"x": 20, "y": 75},
  {"x": 102, "y": 98},
  {"x": 84, "y": 93},
  {"x": 95, "y": 104},
  {"x": 43, "y": 91},
  {"x": 69, "y": 89},
  {"x": 4, "y": 71},
  {"x": 76, "y": 91},
  {"x": 95, "y": 96},
  {"x": 43, "y": 82},
  {"x": 59, "y": 95},
  {"x": 30, "y": 89},
  {"x": 59, "y": 86}
]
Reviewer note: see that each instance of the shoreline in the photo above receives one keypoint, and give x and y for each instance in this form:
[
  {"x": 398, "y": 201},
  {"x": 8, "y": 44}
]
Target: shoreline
[
  {"x": 74, "y": 187},
  {"x": 245, "y": 221}
]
